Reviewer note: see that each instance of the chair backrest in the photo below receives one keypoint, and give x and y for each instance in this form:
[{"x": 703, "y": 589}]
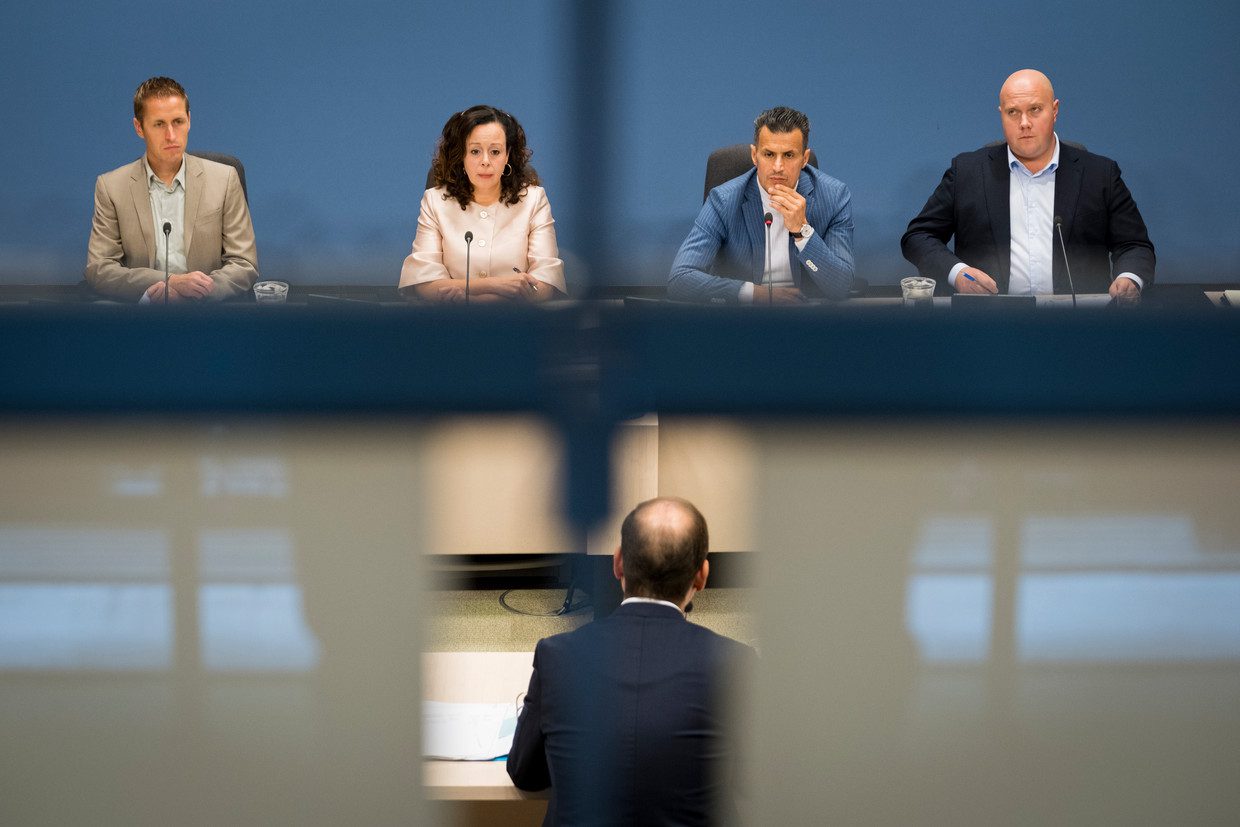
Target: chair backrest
[
  {"x": 430, "y": 175},
  {"x": 727, "y": 162},
  {"x": 232, "y": 161},
  {"x": 1072, "y": 144}
]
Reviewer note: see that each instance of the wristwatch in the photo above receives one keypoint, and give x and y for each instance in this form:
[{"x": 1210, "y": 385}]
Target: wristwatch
[{"x": 806, "y": 231}]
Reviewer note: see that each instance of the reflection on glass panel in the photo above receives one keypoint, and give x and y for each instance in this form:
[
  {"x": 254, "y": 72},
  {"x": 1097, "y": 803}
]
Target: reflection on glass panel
[
  {"x": 56, "y": 552},
  {"x": 949, "y": 616},
  {"x": 221, "y": 619},
  {"x": 245, "y": 477},
  {"x": 1114, "y": 541},
  {"x": 1131, "y": 616},
  {"x": 84, "y": 599},
  {"x": 255, "y": 628},
  {"x": 85, "y": 627},
  {"x": 1016, "y": 625}
]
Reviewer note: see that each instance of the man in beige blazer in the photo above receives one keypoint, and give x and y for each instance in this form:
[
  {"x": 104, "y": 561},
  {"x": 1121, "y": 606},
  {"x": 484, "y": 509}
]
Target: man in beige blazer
[{"x": 211, "y": 251}]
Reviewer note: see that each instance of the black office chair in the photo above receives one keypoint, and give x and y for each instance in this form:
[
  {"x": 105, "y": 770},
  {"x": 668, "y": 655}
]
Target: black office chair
[
  {"x": 232, "y": 161},
  {"x": 1072, "y": 144},
  {"x": 727, "y": 162}
]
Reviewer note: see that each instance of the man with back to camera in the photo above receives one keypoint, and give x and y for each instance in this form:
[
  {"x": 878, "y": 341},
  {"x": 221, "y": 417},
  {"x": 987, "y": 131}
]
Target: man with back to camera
[
  {"x": 724, "y": 258},
  {"x": 210, "y": 249},
  {"x": 624, "y": 717},
  {"x": 1002, "y": 203}
]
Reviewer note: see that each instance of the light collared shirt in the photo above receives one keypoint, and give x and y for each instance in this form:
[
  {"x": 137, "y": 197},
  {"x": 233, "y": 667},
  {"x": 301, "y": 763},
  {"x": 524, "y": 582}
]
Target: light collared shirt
[
  {"x": 168, "y": 205},
  {"x": 779, "y": 271},
  {"x": 652, "y": 600},
  {"x": 1031, "y": 206}
]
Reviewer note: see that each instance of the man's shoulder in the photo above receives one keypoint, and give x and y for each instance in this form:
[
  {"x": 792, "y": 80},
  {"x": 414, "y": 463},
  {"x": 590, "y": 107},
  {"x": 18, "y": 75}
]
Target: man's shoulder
[
  {"x": 731, "y": 193},
  {"x": 212, "y": 169},
  {"x": 567, "y": 640},
  {"x": 729, "y": 647},
  {"x": 1075, "y": 153},
  {"x": 981, "y": 155},
  {"x": 827, "y": 189},
  {"x": 124, "y": 172}
]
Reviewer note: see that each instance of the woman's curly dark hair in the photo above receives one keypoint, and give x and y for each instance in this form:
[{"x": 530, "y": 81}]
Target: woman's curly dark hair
[{"x": 449, "y": 164}]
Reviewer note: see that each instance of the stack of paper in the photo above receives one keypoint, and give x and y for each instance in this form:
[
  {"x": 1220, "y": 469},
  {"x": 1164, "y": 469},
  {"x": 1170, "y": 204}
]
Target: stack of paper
[{"x": 467, "y": 732}]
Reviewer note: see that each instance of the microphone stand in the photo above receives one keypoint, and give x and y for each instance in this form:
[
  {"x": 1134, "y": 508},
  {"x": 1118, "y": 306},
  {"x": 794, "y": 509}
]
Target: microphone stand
[
  {"x": 770, "y": 277},
  {"x": 469, "y": 240},
  {"x": 167, "y": 233},
  {"x": 1064, "y": 247}
]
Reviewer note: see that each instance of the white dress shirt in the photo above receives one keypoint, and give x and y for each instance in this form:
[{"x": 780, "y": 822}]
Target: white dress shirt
[
  {"x": 653, "y": 600},
  {"x": 780, "y": 272}
]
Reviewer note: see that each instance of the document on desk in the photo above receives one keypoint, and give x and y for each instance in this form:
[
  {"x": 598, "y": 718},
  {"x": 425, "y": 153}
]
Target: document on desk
[
  {"x": 1082, "y": 300},
  {"x": 467, "y": 732}
]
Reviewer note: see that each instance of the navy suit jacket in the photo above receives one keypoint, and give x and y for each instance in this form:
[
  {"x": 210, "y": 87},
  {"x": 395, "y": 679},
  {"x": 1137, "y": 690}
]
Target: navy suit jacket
[
  {"x": 623, "y": 721},
  {"x": 727, "y": 244},
  {"x": 1102, "y": 226}
]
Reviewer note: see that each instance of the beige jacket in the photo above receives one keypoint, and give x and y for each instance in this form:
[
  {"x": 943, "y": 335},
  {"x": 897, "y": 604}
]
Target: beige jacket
[
  {"x": 219, "y": 239},
  {"x": 520, "y": 235}
]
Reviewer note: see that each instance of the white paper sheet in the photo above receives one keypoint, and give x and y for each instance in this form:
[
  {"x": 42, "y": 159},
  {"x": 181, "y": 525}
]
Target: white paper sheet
[{"x": 467, "y": 732}]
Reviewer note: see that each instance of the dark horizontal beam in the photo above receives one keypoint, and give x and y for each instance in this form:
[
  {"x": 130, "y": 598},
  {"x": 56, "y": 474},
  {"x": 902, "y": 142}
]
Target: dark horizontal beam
[{"x": 588, "y": 363}]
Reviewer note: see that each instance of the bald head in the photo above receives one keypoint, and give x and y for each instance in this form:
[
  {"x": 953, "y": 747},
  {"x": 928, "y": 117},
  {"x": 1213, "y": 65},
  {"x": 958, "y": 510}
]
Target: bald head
[
  {"x": 1027, "y": 79},
  {"x": 663, "y": 544},
  {"x": 1028, "y": 109}
]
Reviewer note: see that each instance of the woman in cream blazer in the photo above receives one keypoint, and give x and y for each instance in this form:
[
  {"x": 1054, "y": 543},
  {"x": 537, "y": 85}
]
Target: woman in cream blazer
[{"x": 487, "y": 192}]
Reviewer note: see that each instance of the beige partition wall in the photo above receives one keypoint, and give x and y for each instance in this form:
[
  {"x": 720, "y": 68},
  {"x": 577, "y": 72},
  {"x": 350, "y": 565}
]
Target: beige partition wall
[
  {"x": 713, "y": 463},
  {"x": 205, "y": 623},
  {"x": 982, "y": 625},
  {"x": 494, "y": 482},
  {"x": 493, "y": 487}
]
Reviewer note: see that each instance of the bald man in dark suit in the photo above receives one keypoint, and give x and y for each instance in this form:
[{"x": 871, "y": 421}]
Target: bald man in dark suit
[
  {"x": 1001, "y": 203},
  {"x": 624, "y": 718}
]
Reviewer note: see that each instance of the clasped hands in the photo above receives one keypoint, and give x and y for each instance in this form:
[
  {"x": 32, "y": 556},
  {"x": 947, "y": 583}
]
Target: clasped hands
[
  {"x": 516, "y": 287},
  {"x": 182, "y": 287}
]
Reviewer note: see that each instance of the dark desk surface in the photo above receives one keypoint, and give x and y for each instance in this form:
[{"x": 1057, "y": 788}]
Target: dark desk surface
[{"x": 1175, "y": 295}]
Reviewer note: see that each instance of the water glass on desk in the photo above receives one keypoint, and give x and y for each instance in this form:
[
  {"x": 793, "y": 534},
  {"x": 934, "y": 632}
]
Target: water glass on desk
[
  {"x": 271, "y": 292},
  {"x": 918, "y": 291}
]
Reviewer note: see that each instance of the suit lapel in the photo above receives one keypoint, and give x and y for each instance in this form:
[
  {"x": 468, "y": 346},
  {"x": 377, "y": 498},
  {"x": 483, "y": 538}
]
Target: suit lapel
[
  {"x": 751, "y": 210},
  {"x": 1067, "y": 187},
  {"x": 997, "y": 184},
  {"x": 805, "y": 186},
  {"x": 1067, "y": 193},
  {"x": 140, "y": 190},
  {"x": 193, "y": 197}
]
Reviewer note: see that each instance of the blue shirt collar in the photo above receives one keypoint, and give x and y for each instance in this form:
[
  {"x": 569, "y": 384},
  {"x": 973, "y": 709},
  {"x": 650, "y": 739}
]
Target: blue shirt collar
[
  {"x": 152, "y": 179},
  {"x": 1015, "y": 164}
]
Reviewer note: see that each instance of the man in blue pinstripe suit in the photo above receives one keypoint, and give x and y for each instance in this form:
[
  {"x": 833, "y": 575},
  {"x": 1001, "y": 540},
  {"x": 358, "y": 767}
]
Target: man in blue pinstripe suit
[{"x": 725, "y": 260}]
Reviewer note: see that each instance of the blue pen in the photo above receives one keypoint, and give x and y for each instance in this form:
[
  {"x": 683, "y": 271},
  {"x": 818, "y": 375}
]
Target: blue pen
[{"x": 967, "y": 276}]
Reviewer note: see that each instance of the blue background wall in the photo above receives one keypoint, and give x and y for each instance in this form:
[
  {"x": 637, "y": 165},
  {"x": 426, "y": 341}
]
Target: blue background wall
[{"x": 335, "y": 109}]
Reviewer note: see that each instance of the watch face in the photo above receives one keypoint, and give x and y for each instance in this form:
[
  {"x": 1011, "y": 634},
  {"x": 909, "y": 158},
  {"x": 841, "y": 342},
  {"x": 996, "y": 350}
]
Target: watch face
[{"x": 806, "y": 231}]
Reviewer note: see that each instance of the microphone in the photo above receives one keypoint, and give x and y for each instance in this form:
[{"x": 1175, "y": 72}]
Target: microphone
[
  {"x": 1064, "y": 247},
  {"x": 167, "y": 232},
  {"x": 770, "y": 277},
  {"x": 469, "y": 240}
]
